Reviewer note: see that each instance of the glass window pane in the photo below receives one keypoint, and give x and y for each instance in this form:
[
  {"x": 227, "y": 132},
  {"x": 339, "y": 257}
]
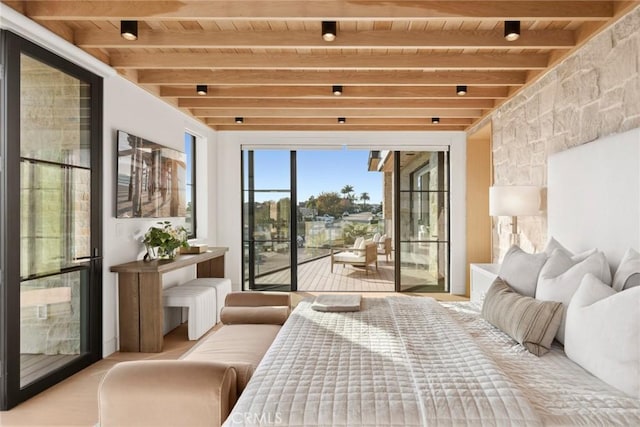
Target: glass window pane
[
  {"x": 423, "y": 267},
  {"x": 322, "y": 234},
  {"x": 423, "y": 216},
  {"x": 271, "y": 170},
  {"x": 55, "y": 217},
  {"x": 190, "y": 196},
  {"x": 423, "y": 171},
  {"x": 245, "y": 170},
  {"x": 54, "y": 115},
  {"x": 245, "y": 265},
  {"x": 245, "y": 216},
  {"x": 272, "y": 213},
  {"x": 50, "y": 323},
  {"x": 273, "y": 260}
]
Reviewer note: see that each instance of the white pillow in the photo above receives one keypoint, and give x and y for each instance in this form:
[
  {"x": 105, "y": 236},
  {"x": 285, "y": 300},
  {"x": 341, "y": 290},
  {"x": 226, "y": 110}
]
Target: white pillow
[
  {"x": 358, "y": 242},
  {"x": 610, "y": 353},
  {"x": 520, "y": 270},
  {"x": 553, "y": 244},
  {"x": 628, "y": 272},
  {"x": 561, "y": 275}
]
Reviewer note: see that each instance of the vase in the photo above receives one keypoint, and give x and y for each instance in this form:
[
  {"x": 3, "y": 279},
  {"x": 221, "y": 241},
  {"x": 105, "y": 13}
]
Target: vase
[
  {"x": 164, "y": 253},
  {"x": 152, "y": 253}
]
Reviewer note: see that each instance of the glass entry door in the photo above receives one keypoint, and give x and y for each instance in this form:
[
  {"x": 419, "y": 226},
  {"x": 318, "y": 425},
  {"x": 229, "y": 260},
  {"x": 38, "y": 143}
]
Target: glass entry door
[
  {"x": 423, "y": 226},
  {"x": 268, "y": 203},
  {"x": 53, "y": 265}
]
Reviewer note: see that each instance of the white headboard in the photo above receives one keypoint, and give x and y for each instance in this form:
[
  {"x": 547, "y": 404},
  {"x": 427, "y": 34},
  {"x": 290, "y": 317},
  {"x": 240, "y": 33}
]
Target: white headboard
[{"x": 593, "y": 195}]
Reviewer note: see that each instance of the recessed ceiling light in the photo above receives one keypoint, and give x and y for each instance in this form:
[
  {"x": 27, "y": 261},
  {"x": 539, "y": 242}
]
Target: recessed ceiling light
[
  {"x": 129, "y": 30},
  {"x": 461, "y": 90},
  {"x": 342, "y": 120},
  {"x": 239, "y": 120},
  {"x": 511, "y": 30},
  {"x": 329, "y": 30},
  {"x": 435, "y": 120},
  {"x": 337, "y": 90},
  {"x": 202, "y": 89}
]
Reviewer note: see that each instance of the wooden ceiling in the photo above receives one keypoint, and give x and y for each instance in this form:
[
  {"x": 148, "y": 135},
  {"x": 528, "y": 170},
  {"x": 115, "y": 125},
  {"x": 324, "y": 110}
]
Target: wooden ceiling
[{"x": 399, "y": 62}]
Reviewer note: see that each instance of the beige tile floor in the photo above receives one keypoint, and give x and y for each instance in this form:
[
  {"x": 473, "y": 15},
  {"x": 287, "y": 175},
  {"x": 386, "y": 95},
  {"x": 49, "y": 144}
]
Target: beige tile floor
[{"x": 74, "y": 402}]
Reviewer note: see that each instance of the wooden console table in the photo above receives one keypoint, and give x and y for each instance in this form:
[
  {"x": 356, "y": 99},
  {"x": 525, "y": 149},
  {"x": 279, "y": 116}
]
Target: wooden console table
[{"x": 140, "y": 296}]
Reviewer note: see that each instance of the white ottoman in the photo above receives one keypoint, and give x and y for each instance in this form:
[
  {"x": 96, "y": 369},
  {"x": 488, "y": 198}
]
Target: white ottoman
[
  {"x": 220, "y": 284},
  {"x": 201, "y": 303}
]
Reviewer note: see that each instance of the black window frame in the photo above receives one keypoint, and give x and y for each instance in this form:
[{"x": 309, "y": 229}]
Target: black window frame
[{"x": 194, "y": 156}]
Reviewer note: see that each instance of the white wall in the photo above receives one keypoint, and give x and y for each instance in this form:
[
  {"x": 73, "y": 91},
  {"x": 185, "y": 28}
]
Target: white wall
[
  {"x": 229, "y": 198},
  {"x": 129, "y": 108}
]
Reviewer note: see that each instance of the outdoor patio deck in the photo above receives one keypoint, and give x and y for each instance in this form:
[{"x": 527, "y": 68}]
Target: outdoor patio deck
[{"x": 316, "y": 276}]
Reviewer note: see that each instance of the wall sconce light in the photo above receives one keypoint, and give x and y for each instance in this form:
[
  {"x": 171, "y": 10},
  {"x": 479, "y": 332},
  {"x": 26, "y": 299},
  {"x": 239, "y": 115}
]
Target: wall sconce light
[
  {"x": 337, "y": 90},
  {"x": 511, "y": 30},
  {"x": 461, "y": 90},
  {"x": 342, "y": 120},
  {"x": 129, "y": 30},
  {"x": 514, "y": 201},
  {"x": 329, "y": 30},
  {"x": 435, "y": 120},
  {"x": 202, "y": 89},
  {"x": 239, "y": 120}
]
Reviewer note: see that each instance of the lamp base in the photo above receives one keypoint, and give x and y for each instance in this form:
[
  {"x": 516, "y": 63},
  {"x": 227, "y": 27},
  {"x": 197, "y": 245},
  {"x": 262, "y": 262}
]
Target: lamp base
[{"x": 515, "y": 236}]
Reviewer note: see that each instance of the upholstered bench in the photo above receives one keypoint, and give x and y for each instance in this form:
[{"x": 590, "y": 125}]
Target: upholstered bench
[
  {"x": 221, "y": 285},
  {"x": 202, "y": 387},
  {"x": 201, "y": 303}
]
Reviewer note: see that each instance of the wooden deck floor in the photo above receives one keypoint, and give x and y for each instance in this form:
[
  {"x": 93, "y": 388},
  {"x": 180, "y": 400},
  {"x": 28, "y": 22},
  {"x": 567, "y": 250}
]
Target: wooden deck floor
[
  {"x": 316, "y": 276},
  {"x": 34, "y": 366}
]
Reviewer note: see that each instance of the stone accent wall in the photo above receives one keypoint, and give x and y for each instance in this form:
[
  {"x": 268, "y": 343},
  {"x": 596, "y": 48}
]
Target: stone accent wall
[{"x": 593, "y": 93}]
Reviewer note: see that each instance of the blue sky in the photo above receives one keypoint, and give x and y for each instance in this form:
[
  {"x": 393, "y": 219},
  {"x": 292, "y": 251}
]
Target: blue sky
[{"x": 318, "y": 171}]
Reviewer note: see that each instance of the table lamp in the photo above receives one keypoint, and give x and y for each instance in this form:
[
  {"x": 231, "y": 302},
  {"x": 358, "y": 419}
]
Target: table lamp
[{"x": 514, "y": 201}]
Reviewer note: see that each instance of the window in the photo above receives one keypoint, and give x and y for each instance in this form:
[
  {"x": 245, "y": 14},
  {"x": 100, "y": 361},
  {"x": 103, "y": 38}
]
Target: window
[{"x": 190, "y": 151}]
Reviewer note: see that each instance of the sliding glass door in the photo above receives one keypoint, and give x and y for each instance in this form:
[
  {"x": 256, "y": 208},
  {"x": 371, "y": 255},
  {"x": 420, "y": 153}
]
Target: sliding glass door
[
  {"x": 268, "y": 203},
  {"x": 423, "y": 186},
  {"x": 304, "y": 210},
  {"x": 52, "y": 320}
]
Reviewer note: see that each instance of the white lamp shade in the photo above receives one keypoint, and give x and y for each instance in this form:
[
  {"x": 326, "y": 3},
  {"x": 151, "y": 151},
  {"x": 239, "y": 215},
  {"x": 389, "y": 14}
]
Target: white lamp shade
[{"x": 514, "y": 200}]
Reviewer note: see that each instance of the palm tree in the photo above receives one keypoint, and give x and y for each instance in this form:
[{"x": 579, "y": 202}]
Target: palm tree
[
  {"x": 365, "y": 198},
  {"x": 346, "y": 190}
]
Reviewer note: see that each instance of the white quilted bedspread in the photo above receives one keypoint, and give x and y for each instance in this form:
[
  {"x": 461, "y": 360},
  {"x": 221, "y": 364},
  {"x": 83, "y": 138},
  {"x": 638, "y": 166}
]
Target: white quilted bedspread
[
  {"x": 559, "y": 390},
  {"x": 398, "y": 362}
]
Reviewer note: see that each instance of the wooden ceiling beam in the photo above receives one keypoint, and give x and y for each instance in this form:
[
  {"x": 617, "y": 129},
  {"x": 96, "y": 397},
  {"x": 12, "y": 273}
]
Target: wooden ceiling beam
[
  {"x": 323, "y": 78},
  {"x": 338, "y": 127},
  {"x": 468, "y": 113},
  {"x": 331, "y": 121},
  {"x": 491, "y": 39},
  {"x": 335, "y": 103},
  {"x": 348, "y": 92},
  {"x": 294, "y": 61},
  {"x": 318, "y": 10}
]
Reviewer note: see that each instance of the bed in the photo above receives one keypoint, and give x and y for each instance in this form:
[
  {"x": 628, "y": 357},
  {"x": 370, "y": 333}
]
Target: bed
[{"x": 406, "y": 361}]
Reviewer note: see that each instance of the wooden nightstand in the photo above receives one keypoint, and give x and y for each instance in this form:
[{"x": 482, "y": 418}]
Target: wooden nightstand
[{"x": 482, "y": 276}]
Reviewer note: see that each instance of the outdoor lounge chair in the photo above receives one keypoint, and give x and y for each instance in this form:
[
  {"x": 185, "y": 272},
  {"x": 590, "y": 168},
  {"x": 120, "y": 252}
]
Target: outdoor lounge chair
[
  {"x": 384, "y": 246},
  {"x": 365, "y": 254}
]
